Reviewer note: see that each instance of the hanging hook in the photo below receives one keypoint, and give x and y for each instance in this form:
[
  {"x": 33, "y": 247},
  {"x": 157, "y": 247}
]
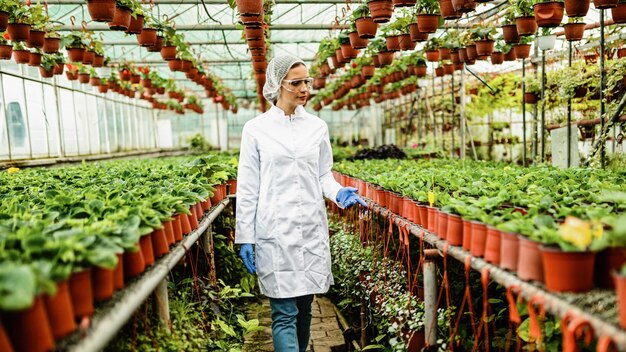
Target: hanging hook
[
  {"x": 84, "y": 25},
  {"x": 72, "y": 21},
  {"x": 101, "y": 35}
]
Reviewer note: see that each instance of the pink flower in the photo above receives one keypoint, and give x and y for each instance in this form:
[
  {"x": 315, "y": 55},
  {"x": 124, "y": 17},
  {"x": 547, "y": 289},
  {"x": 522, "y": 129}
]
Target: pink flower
[{"x": 414, "y": 146}]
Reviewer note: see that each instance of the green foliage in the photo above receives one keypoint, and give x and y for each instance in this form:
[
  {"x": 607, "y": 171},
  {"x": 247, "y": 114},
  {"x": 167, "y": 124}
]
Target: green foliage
[
  {"x": 486, "y": 102},
  {"x": 427, "y": 7}
]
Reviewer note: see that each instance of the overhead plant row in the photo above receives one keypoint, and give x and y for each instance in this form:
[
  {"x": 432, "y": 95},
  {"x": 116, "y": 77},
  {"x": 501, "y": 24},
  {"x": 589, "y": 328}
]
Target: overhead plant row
[
  {"x": 31, "y": 37},
  {"x": 372, "y": 41},
  {"x": 72, "y": 236}
]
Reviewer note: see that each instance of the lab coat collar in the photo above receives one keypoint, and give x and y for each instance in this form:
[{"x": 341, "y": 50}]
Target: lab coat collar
[{"x": 279, "y": 114}]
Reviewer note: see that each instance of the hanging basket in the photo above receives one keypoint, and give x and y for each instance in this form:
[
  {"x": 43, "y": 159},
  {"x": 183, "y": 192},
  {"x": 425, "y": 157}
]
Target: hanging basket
[
  {"x": 522, "y": 51},
  {"x": 577, "y": 8},
  {"x": 385, "y": 58},
  {"x": 121, "y": 19},
  {"x": 366, "y": 27},
  {"x": 18, "y": 32},
  {"x": 5, "y": 51},
  {"x": 484, "y": 47},
  {"x": 415, "y": 34},
  {"x": 75, "y": 54},
  {"x": 250, "y": 7},
  {"x": 88, "y": 57},
  {"x": 574, "y": 31},
  {"x": 381, "y": 10},
  {"x": 549, "y": 14},
  {"x": 36, "y": 39},
  {"x": 432, "y": 56},
  {"x": 526, "y": 25},
  {"x": 21, "y": 56},
  {"x": 404, "y": 3},
  {"x": 168, "y": 53},
  {"x": 497, "y": 58},
  {"x": 447, "y": 10},
  {"x": 531, "y": 98},
  {"x": 34, "y": 59},
  {"x": 464, "y": 6},
  {"x": 604, "y": 4},
  {"x": 147, "y": 37},
  {"x": 356, "y": 41},
  {"x": 136, "y": 25},
  {"x": 83, "y": 78},
  {"x": 406, "y": 43},
  {"x": 427, "y": 23},
  {"x": 46, "y": 73},
  {"x": 619, "y": 13},
  {"x": 101, "y": 10},
  {"x": 509, "y": 33},
  {"x": 51, "y": 45},
  {"x": 546, "y": 42}
]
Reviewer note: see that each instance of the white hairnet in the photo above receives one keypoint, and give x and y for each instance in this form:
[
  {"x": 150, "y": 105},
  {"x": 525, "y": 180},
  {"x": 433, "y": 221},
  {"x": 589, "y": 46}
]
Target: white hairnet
[{"x": 276, "y": 71}]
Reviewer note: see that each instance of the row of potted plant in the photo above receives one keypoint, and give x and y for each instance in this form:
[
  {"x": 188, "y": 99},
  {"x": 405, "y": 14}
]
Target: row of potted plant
[
  {"x": 69, "y": 242},
  {"x": 490, "y": 210}
]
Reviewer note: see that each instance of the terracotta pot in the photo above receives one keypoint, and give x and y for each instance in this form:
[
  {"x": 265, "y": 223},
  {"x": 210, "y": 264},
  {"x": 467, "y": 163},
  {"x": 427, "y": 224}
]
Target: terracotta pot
[
  {"x": 549, "y": 14},
  {"x": 522, "y": 51},
  {"x": 175, "y": 64},
  {"x": 101, "y": 10},
  {"x": 407, "y": 209},
  {"x": 448, "y": 69},
  {"x": 5, "y": 343},
  {"x": 444, "y": 53},
  {"x": 472, "y": 54},
  {"x": 46, "y": 74},
  {"x": 178, "y": 228},
  {"x": 21, "y": 56},
  {"x": 604, "y": 4},
  {"x": 83, "y": 78},
  {"x": 94, "y": 81},
  {"x": 103, "y": 285},
  {"x": 393, "y": 42},
  {"x": 159, "y": 243},
  {"x": 531, "y": 98},
  {"x": 577, "y": 8},
  {"x": 479, "y": 239},
  {"x": 29, "y": 329},
  {"x": 6, "y": 51},
  {"x": 60, "y": 311},
  {"x": 4, "y": 20},
  {"x": 81, "y": 293},
  {"x": 147, "y": 37},
  {"x": 497, "y": 58},
  {"x": 529, "y": 263},
  {"x": 169, "y": 232},
  {"x": 607, "y": 261},
  {"x": 493, "y": 245},
  {"x": 467, "y": 234},
  {"x": 366, "y": 27},
  {"x": 423, "y": 210},
  {"x": 250, "y": 7},
  {"x": 193, "y": 218},
  {"x": 427, "y": 23},
  {"x": 121, "y": 19},
  {"x": 447, "y": 10},
  {"x": 385, "y": 57},
  {"x": 348, "y": 52},
  {"x": 454, "y": 234},
  {"x": 442, "y": 225},
  {"x": 357, "y": 42},
  {"x": 484, "y": 47},
  {"x": 168, "y": 53},
  {"x": 51, "y": 45},
  {"x": 75, "y": 54},
  {"x": 621, "y": 52},
  {"x": 403, "y": 3},
  {"x": 135, "y": 26},
  {"x": 186, "y": 66},
  {"x": 199, "y": 212},
  {"x": 432, "y": 216},
  {"x": 118, "y": 273},
  {"x": 88, "y": 57},
  {"x": 567, "y": 271},
  {"x": 406, "y": 43},
  {"x": 135, "y": 78},
  {"x": 415, "y": 34},
  {"x": 18, "y": 32},
  {"x": 620, "y": 293},
  {"x": 416, "y": 340},
  {"x": 510, "y": 56},
  {"x": 185, "y": 224},
  {"x": 36, "y": 39},
  {"x": 420, "y": 71},
  {"x": 147, "y": 249},
  {"x": 381, "y": 10},
  {"x": 432, "y": 56},
  {"x": 133, "y": 263},
  {"x": 509, "y": 33},
  {"x": 526, "y": 25},
  {"x": 574, "y": 31},
  {"x": 34, "y": 59},
  {"x": 509, "y": 243},
  {"x": 206, "y": 204},
  {"x": 252, "y": 20},
  {"x": 618, "y": 13},
  {"x": 464, "y": 6}
]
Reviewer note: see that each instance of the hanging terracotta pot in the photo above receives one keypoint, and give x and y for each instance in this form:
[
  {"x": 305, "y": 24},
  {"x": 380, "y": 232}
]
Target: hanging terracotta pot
[
  {"x": 367, "y": 71},
  {"x": 455, "y": 230},
  {"x": 348, "y": 52},
  {"x": 60, "y": 311},
  {"x": 147, "y": 37},
  {"x": 567, "y": 271},
  {"x": 448, "y": 69},
  {"x": 529, "y": 263},
  {"x": 366, "y": 27},
  {"x": 88, "y": 57},
  {"x": 385, "y": 57},
  {"x": 479, "y": 239},
  {"x": 75, "y": 54},
  {"x": 34, "y": 59},
  {"x": 463, "y": 55},
  {"x": 421, "y": 70},
  {"x": 444, "y": 53},
  {"x": 415, "y": 34},
  {"x": 83, "y": 77},
  {"x": 186, "y": 65},
  {"x": 432, "y": 56},
  {"x": 509, "y": 33},
  {"x": 393, "y": 42},
  {"x": 250, "y": 7},
  {"x": 175, "y": 65},
  {"x": 464, "y": 6},
  {"x": 121, "y": 19},
  {"x": 103, "y": 285},
  {"x": 381, "y": 10},
  {"x": 497, "y": 58},
  {"x": 5, "y": 52},
  {"x": 404, "y": 3},
  {"x": 51, "y": 45},
  {"x": 18, "y": 32},
  {"x": 618, "y": 13},
  {"x": 577, "y": 8},
  {"x": 46, "y": 73},
  {"x": 159, "y": 243},
  {"x": 467, "y": 235},
  {"x": 168, "y": 52},
  {"x": 522, "y": 51},
  {"x": 574, "y": 31},
  {"x": 526, "y": 25},
  {"x": 493, "y": 245},
  {"x": 447, "y": 10},
  {"x": 21, "y": 56},
  {"x": 118, "y": 273},
  {"x": 36, "y": 39},
  {"x": 620, "y": 293},
  {"x": 604, "y": 4},
  {"x": 135, "y": 78},
  {"x": 427, "y": 23},
  {"x": 81, "y": 293},
  {"x": 531, "y": 98},
  {"x": 101, "y": 10},
  {"x": 472, "y": 54},
  {"x": 549, "y": 14},
  {"x": 356, "y": 41},
  {"x": 135, "y": 26},
  {"x": 510, "y": 56},
  {"x": 509, "y": 243},
  {"x": 484, "y": 47},
  {"x": 29, "y": 329}
]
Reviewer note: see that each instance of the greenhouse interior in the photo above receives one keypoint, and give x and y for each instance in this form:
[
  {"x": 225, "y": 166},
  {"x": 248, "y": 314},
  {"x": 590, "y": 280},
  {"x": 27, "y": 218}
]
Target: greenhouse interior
[{"x": 324, "y": 176}]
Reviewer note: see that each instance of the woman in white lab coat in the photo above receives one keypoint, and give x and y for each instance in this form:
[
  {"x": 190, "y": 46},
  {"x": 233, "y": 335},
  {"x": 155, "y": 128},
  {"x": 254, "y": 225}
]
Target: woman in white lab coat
[{"x": 284, "y": 172}]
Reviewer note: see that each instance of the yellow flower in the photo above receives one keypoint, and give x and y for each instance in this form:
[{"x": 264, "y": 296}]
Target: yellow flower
[
  {"x": 13, "y": 170},
  {"x": 577, "y": 232},
  {"x": 432, "y": 198}
]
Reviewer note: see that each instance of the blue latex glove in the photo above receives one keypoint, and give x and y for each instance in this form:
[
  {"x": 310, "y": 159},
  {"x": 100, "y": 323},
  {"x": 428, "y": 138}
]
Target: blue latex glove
[
  {"x": 246, "y": 252},
  {"x": 347, "y": 197}
]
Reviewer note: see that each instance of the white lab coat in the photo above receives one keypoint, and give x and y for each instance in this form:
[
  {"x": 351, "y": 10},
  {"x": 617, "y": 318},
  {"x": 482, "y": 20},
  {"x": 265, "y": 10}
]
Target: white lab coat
[{"x": 284, "y": 172}]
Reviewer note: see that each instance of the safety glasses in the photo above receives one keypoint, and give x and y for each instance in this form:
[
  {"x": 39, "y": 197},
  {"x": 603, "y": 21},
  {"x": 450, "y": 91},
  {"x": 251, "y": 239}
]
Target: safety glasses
[{"x": 293, "y": 85}]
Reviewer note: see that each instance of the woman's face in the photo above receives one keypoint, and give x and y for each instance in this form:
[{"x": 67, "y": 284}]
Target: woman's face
[{"x": 294, "y": 88}]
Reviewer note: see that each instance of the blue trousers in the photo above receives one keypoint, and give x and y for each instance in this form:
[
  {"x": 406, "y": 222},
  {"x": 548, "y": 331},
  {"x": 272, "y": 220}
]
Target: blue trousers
[{"x": 291, "y": 323}]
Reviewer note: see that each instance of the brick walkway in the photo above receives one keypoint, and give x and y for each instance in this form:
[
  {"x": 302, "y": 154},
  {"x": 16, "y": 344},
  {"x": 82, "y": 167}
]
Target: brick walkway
[{"x": 325, "y": 331}]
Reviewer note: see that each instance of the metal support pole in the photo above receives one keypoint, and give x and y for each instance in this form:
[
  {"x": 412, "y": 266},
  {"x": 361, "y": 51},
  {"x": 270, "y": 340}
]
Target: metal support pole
[
  {"x": 207, "y": 243},
  {"x": 453, "y": 112},
  {"x": 431, "y": 109},
  {"x": 443, "y": 118},
  {"x": 26, "y": 113},
  {"x": 602, "y": 86},
  {"x": 462, "y": 111},
  {"x": 569, "y": 116},
  {"x": 524, "y": 112},
  {"x": 430, "y": 300},
  {"x": 162, "y": 304},
  {"x": 543, "y": 106}
]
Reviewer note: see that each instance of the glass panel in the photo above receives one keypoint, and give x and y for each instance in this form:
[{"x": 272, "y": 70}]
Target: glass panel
[
  {"x": 37, "y": 119},
  {"x": 82, "y": 123},
  {"x": 102, "y": 124},
  {"x": 68, "y": 124},
  {"x": 16, "y": 118},
  {"x": 92, "y": 124},
  {"x": 52, "y": 120}
]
